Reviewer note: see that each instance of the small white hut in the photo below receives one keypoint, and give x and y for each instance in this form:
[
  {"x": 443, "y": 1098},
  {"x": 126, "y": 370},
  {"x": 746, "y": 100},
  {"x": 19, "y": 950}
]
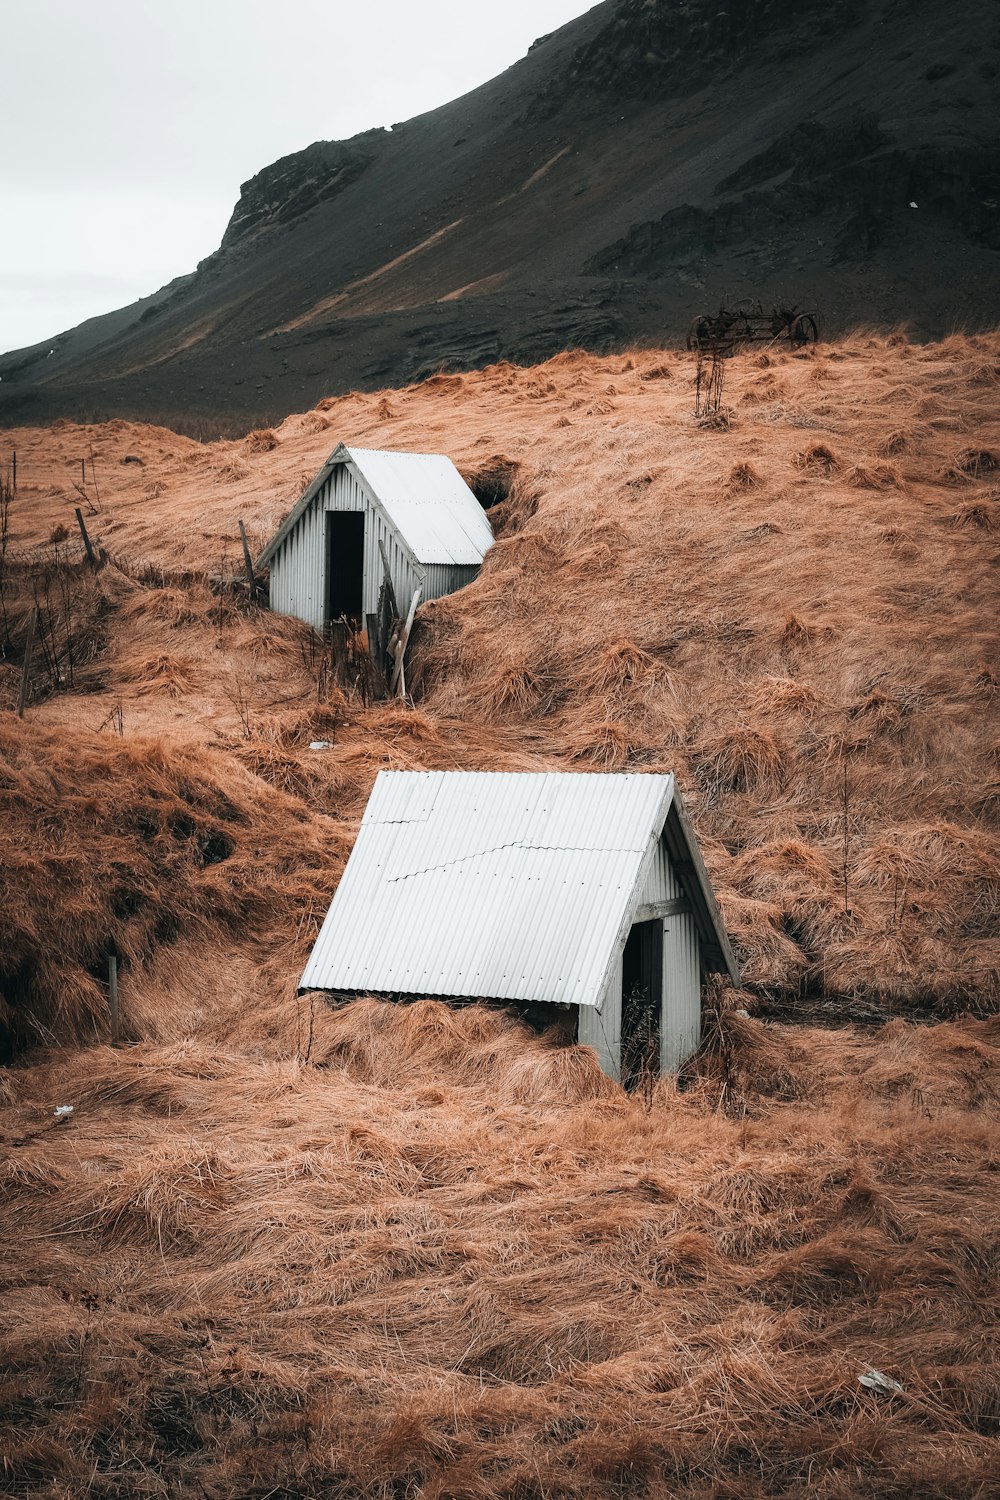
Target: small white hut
[
  {"x": 584, "y": 890},
  {"x": 326, "y": 560}
]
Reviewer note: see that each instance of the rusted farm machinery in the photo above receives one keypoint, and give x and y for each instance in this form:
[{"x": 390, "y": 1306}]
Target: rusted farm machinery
[
  {"x": 714, "y": 338},
  {"x": 747, "y": 323}
]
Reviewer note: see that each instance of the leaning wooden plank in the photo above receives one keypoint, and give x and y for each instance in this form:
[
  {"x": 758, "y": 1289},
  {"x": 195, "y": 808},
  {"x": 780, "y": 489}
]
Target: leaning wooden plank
[
  {"x": 390, "y": 592},
  {"x": 248, "y": 565},
  {"x": 404, "y": 636}
]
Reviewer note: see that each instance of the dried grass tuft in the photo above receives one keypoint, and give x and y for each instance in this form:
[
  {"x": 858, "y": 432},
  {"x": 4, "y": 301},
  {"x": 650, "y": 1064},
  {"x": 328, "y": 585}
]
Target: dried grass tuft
[
  {"x": 817, "y": 458},
  {"x": 879, "y": 476},
  {"x": 743, "y": 476},
  {"x": 261, "y": 440},
  {"x": 741, "y": 760}
]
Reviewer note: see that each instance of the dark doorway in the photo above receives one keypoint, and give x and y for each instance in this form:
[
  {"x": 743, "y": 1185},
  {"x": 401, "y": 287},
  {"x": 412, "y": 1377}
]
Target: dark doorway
[
  {"x": 642, "y": 988},
  {"x": 345, "y": 563}
]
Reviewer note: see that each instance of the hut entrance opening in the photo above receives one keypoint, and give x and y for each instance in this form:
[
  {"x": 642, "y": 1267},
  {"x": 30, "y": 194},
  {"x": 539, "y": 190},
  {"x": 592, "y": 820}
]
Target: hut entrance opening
[
  {"x": 642, "y": 986},
  {"x": 345, "y": 563}
]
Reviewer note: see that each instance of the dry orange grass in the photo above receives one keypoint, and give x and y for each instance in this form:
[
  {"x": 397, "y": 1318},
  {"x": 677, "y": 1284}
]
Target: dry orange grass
[{"x": 282, "y": 1249}]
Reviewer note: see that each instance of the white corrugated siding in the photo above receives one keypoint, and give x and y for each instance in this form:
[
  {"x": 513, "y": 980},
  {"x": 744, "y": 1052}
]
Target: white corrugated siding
[
  {"x": 680, "y": 1018},
  {"x": 298, "y": 568},
  {"x": 600, "y": 1026},
  {"x": 298, "y": 565},
  {"x": 661, "y": 883},
  {"x": 504, "y": 885}
]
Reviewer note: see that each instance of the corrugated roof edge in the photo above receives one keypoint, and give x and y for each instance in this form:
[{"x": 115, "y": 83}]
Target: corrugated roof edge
[
  {"x": 685, "y": 855},
  {"x": 301, "y": 505},
  {"x": 673, "y": 824}
]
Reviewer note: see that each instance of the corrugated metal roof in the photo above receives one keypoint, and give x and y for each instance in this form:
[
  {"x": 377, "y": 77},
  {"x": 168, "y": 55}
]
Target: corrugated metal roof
[
  {"x": 429, "y": 503},
  {"x": 505, "y": 885},
  {"x": 424, "y": 498}
]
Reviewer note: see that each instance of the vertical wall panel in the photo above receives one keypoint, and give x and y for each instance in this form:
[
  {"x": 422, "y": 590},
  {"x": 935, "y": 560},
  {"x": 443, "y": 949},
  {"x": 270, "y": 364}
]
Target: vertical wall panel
[
  {"x": 600, "y": 1026},
  {"x": 661, "y": 883},
  {"x": 680, "y": 1021}
]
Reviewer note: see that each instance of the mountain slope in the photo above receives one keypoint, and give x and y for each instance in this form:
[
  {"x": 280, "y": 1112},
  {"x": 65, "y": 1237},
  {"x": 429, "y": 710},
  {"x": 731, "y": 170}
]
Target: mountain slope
[{"x": 636, "y": 166}]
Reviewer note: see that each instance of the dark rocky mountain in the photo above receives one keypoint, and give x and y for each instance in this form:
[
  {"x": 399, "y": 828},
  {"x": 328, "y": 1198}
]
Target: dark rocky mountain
[{"x": 637, "y": 166}]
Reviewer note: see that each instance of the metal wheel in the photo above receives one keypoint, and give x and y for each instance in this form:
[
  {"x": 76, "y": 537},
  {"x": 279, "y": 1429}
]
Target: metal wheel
[{"x": 803, "y": 330}]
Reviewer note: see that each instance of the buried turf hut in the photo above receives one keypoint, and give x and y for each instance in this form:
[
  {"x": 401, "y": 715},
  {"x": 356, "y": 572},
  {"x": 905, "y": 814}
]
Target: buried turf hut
[
  {"x": 584, "y": 890},
  {"x": 414, "y": 510}
]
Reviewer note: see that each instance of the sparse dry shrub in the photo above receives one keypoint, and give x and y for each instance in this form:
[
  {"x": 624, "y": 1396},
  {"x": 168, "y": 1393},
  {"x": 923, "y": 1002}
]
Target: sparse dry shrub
[
  {"x": 261, "y": 440},
  {"x": 231, "y": 468},
  {"x": 660, "y": 371},
  {"x": 783, "y": 695},
  {"x": 743, "y": 476},
  {"x": 623, "y": 674},
  {"x": 796, "y": 632},
  {"x": 741, "y": 760},
  {"x": 158, "y": 672},
  {"x": 880, "y": 476},
  {"x": 384, "y": 409},
  {"x": 979, "y": 513},
  {"x": 974, "y": 463},
  {"x": 173, "y": 607},
  {"x": 606, "y": 743},
  {"x": 514, "y": 687},
  {"x": 155, "y": 490},
  {"x": 893, "y": 443},
  {"x": 817, "y": 458}
]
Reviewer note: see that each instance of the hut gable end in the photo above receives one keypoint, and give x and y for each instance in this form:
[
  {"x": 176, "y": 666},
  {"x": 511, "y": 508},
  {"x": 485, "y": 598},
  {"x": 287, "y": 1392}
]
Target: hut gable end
[{"x": 416, "y": 509}]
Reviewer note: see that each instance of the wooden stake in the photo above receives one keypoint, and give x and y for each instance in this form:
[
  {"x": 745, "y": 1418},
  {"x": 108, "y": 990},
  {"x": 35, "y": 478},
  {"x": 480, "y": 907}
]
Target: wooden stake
[
  {"x": 374, "y": 643},
  {"x": 91, "y": 554},
  {"x": 29, "y": 647},
  {"x": 116, "y": 1027},
  {"x": 248, "y": 563},
  {"x": 14, "y": 469}
]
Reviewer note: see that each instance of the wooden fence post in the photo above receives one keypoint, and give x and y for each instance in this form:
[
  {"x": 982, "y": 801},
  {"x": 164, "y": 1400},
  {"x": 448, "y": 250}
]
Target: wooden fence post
[
  {"x": 29, "y": 647},
  {"x": 116, "y": 1028},
  {"x": 91, "y": 554}
]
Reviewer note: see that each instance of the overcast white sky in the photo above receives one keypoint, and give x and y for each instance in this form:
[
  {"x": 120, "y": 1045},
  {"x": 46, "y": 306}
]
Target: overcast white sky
[{"x": 127, "y": 126}]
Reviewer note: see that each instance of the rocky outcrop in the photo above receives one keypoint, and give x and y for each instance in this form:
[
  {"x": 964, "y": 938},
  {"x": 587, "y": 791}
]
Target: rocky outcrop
[
  {"x": 290, "y": 187},
  {"x": 655, "y": 48},
  {"x": 847, "y": 175}
]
